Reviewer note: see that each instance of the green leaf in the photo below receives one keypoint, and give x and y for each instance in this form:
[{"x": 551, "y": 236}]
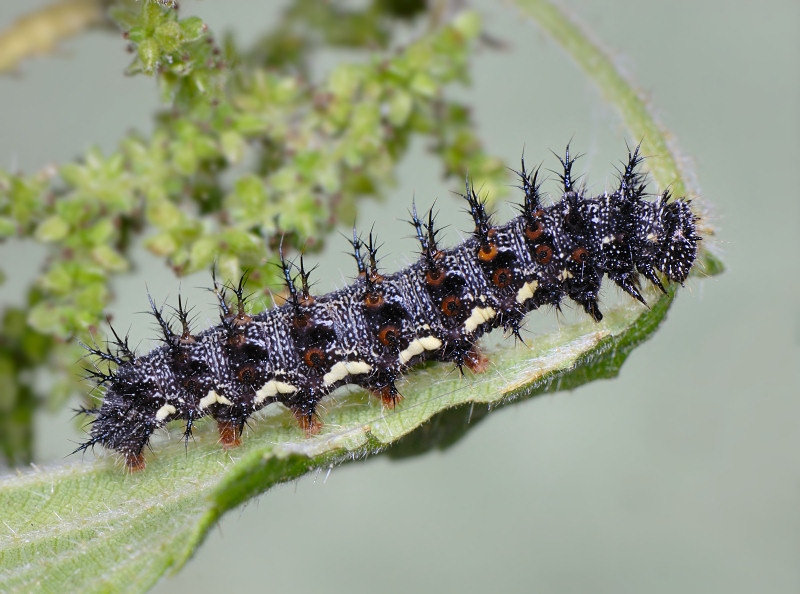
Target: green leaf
[
  {"x": 133, "y": 527},
  {"x": 193, "y": 28},
  {"x": 618, "y": 91},
  {"x": 52, "y": 229},
  {"x": 149, "y": 53}
]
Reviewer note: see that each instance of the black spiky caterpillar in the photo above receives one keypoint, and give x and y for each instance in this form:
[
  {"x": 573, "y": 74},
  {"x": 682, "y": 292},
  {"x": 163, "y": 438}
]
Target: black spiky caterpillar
[{"x": 370, "y": 332}]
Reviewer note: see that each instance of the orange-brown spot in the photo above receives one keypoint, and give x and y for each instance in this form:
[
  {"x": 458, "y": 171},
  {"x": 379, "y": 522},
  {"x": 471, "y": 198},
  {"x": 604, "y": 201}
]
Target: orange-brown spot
[
  {"x": 534, "y": 230},
  {"x": 229, "y": 435},
  {"x": 487, "y": 252},
  {"x": 544, "y": 254},
  {"x": 491, "y": 232},
  {"x": 305, "y": 300},
  {"x": 247, "y": 375},
  {"x": 134, "y": 462},
  {"x": 308, "y": 423},
  {"x": 300, "y": 320},
  {"x": 242, "y": 319},
  {"x": 451, "y": 305},
  {"x": 501, "y": 278},
  {"x": 388, "y": 396},
  {"x": 476, "y": 361},
  {"x": 580, "y": 255},
  {"x": 314, "y": 357},
  {"x": 237, "y": 340},
  {"x": 572, "y": 220},
  {"x": 373, "y": 300},
  {"x": 388, "y": 335},
  {"x": 187, "y": 338},
  {"x": 435, "y": 277}
]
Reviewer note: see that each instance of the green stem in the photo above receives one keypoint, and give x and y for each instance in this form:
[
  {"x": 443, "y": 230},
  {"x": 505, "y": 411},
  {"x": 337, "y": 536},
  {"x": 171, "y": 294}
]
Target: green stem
[
  {"x": 666, "y": 164},
  {"x": 618, "y": 91}
]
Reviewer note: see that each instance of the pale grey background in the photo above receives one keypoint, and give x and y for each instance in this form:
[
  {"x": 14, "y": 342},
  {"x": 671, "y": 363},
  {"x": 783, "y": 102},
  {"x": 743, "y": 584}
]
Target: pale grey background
[{"x": 680, "y": 476}]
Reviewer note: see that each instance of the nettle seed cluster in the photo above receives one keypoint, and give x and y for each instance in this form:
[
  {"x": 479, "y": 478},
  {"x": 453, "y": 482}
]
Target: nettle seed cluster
[{"x": 370, "y": 332}]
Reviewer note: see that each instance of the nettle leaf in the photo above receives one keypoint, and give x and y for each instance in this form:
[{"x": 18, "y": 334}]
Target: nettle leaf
[
  {"x": 89, "y": 526},
  {"x": 91, "y": 523}
]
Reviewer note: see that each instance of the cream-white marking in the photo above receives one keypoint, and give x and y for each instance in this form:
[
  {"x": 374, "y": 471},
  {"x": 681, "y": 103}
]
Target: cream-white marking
[
  {"x": 418, "y": 346},
  {"x": 564, "y": 275},
  {"x": 165, "y": 411},
  {"x": 526, "y": 291},
  {"x": 430, "y": 343},
  {"x": 271, "y": 388},
  {"x": 344, "y": 368},
  {"x": 212, "y": 398},
  {"x": 479, "y": 316}
]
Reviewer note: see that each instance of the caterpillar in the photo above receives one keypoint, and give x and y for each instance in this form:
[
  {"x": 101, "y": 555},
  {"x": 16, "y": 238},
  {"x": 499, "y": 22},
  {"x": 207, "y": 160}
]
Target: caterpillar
[{"x": 371, "y": 332}]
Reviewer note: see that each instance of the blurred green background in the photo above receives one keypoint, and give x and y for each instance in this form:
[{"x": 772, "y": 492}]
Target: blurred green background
[{"x": 681, "y": 475}]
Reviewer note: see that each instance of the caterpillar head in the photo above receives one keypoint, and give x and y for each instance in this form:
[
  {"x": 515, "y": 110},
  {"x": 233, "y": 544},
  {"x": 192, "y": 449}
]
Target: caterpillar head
[{"x": 679, "y": 248}]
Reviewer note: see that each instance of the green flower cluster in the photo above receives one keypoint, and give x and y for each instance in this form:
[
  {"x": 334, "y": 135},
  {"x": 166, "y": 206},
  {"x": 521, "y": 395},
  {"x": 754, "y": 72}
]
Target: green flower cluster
[{"x": 301, "y": 153}]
